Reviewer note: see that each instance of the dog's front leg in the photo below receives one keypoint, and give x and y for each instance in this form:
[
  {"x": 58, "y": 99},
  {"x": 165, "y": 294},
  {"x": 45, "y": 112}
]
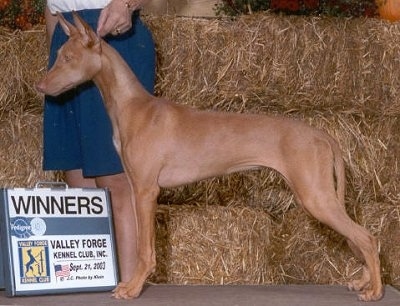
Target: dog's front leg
[{"x": 145, "y": 210}]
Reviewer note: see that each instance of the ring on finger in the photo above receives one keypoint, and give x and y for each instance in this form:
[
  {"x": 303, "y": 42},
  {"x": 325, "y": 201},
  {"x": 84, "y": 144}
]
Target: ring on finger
[{"x": 117, "y": 30}]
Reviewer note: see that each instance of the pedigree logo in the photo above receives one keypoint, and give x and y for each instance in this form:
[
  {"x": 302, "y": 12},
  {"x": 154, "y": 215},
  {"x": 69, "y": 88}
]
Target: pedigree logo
[{"x": 20, "y": 227}]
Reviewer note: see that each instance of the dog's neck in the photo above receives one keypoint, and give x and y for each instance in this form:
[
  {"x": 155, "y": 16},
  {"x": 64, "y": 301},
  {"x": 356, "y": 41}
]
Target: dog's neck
[
  {"x": 116, "y": 81},
  {"x": 122, "y": 93}
]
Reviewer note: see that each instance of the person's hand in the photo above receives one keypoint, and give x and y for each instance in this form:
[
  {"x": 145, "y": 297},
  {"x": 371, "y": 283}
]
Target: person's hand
[{"x": 116, "y": 17}]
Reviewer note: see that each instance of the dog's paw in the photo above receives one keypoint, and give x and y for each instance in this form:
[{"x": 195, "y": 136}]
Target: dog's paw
[
  {"x": 120, "y": 291},
  {"x": 124, "y": 291},
  {"x": 357, "y": 285},
  {"x": 370, "y": 295}
]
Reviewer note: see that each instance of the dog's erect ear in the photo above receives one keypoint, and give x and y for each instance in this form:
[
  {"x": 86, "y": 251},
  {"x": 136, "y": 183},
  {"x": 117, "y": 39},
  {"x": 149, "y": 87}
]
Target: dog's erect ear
[
  {"x": 68, "y": 28},
  {"x": 90, "y": 38}
]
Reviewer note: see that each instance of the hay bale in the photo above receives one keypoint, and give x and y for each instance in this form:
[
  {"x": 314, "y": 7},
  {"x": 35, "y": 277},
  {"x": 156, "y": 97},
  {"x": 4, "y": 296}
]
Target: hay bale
[
  {"x": 259, "y": 63},
  {"x": 266, "y": 62},
  {"x": 338, "y": 74},
  {"x": 328, "y": 258},
  {"x": 216, "y": 245},
  {"x": 387, "y": 228},
  {"x": 307, "y": 252},
  {"x": 22, "y": 60},
  {"x": 370, "y": 161},
  {"x": 21, "y": 151},
  {"x": 246, "y": 245}
]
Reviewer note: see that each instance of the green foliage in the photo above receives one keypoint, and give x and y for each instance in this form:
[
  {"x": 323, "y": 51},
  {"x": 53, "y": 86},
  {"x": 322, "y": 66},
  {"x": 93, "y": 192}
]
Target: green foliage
[
  {"x": 237, "y": 7},
  {"x": 299, "y": 7},
  {"x": 22, "y": 14}
]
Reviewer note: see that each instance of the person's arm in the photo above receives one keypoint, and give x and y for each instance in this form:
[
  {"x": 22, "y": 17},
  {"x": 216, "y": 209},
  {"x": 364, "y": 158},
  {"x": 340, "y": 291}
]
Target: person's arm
[{"x": 51, "y": 21}]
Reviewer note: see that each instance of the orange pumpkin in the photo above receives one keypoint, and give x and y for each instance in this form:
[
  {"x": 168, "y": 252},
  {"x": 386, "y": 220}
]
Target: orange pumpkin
[{"x": 389, "y": 9}]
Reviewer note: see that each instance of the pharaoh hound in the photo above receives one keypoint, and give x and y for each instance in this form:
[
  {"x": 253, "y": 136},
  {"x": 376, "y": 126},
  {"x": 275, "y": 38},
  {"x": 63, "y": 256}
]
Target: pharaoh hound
[{"x": 164, "y": 144}]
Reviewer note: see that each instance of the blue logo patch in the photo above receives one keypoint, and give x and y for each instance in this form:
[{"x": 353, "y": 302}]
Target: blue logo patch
[
  {"x": 34, "y": 261},
  {"x": 20, "y": 227}
]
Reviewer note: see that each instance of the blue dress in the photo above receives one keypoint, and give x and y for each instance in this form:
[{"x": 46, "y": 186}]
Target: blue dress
[{"x": 77, "y": 132}]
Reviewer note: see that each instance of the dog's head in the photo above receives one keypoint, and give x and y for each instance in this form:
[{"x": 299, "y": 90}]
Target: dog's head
[{"x": 78, "y": 60}]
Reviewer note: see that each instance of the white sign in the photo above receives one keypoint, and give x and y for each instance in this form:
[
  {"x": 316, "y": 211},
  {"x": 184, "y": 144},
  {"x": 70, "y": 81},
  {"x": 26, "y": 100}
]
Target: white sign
[{"x": 57, "y": 240}]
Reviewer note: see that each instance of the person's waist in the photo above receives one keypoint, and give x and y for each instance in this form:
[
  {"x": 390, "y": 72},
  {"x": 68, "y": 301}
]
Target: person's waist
[{"x": 63, "y": 6}]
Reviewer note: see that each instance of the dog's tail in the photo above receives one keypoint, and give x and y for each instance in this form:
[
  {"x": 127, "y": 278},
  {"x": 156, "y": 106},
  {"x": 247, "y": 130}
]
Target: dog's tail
[{"x": 339, "y": 171}]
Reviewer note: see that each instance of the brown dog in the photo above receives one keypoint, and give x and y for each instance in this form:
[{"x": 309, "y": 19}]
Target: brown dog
[{"x": 163, "y": 144}]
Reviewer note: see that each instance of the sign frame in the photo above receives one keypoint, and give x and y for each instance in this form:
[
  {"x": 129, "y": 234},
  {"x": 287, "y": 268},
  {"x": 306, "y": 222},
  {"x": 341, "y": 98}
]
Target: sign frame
[{"x": 57, "y": 240}]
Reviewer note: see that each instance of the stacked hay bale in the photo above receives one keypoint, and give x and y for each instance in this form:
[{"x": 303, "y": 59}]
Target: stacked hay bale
[
  {"x": 22, "y": 60},
  {"x": 341, "y": 75}
]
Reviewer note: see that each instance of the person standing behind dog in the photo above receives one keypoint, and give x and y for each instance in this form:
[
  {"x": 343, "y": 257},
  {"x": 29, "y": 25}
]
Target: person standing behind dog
[{"x": 77, "y": 133}]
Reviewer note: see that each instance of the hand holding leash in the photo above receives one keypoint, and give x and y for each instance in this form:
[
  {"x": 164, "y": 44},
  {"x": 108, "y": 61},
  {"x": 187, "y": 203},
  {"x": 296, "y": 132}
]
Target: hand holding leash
[{"x": 116, "y": 17}]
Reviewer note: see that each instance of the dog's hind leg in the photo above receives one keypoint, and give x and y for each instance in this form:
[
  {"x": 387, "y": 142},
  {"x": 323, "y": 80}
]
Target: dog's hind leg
[
  {"x": 317, "y": 195},
  {"x": 365, "y": 248}
]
